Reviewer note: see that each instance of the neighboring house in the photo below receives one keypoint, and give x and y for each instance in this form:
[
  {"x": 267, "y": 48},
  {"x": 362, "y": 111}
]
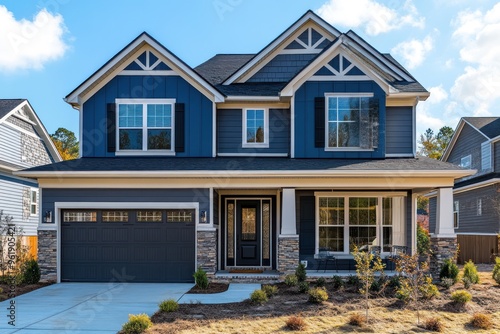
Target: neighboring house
[
  {"x": 476, "y": 199},
  {"x": 24, "y": 143},
  {"x": 244, "y": 162},
  {"x": 423, "y": 218}
]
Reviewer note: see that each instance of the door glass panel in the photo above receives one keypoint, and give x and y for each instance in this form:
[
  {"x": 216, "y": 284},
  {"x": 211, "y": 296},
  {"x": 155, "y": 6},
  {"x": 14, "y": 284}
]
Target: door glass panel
[
  {"x": 80, "y": 216},
  {"x": 230, "y": 230},
  {"x": 149, "y": 216},
  {"x": 266, "y": 229},
  {"x": 115, "y": 216},
  {"x": 248, "y": 224},
  {"x": 180, "y": 216}
]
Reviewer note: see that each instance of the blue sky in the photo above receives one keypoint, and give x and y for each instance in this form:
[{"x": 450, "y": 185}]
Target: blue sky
[{"x": 49, "y": 47}]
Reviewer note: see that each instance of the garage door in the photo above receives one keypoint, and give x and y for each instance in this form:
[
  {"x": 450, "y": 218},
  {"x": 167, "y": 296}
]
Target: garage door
[{"x": 127, "y": 245}]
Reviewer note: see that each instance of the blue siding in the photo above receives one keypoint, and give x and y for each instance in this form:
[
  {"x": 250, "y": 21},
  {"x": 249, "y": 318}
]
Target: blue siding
[
  {"x": 198, "y": 117},
  {"x": 282, "y": 68},
  {"x": 304, "y": 118},
  {"x": 399, "y": 130},
  {"x": 229, "y": 132}
]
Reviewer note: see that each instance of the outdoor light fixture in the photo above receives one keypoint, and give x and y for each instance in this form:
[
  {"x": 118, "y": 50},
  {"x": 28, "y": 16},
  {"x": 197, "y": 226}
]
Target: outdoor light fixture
[
  {"x": 203, "y": 217},
  {"x": 47, "y": 218}
]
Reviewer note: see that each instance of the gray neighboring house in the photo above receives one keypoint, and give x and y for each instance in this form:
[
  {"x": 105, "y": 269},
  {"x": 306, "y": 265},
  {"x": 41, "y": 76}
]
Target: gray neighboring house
[
  {"x": 476, "y": 198},
  {"x": 24, "y": 143}
]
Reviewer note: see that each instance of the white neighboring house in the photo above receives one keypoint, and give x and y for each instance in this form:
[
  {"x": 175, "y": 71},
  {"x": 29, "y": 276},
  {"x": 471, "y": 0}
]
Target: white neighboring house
[{"x": 24, "y": 143}]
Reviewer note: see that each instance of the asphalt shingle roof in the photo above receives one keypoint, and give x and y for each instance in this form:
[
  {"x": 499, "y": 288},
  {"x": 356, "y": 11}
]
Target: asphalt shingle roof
[
  {"x": 6, "y": 105},
  {"x": 252, "y": 89},
  {"x": 218, "y": 68},
  {"x": 490, "y": 126}
]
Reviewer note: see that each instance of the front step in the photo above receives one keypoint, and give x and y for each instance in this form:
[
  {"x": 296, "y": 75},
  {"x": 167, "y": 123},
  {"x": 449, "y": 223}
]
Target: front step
[{"x": 267, "y": 277}]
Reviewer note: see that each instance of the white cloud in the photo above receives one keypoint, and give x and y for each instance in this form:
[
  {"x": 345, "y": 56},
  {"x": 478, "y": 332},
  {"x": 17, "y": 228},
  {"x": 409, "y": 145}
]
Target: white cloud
[
  {"x": 373, "y": 16},
  {"x": 30, "y": 44},
  {"x": 425, "y": 116},
  {"x": 414, "y": 51}
]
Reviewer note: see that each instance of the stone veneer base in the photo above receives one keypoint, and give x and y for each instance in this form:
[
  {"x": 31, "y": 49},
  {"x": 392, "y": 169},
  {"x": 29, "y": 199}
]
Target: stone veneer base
[
  {"x": 441, "y": 249},
  {"x": 47, "y": 255},
  {"x": 207, "y": 250},
  {"x": 288, "y": 254}
]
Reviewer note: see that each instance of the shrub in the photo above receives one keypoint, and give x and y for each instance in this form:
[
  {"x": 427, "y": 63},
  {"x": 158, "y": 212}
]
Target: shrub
[
  {"x": 449, "y": 270},
  {"x": 318, "y": 295},
  {"x": 481, "y": 321},
  {"x": 461, "y": 296},
  {"x": 378, "y": 284},
  {"x": 320, "y": 282},
  {"x": 395, "y": 282},
  {"x": 137, "y": 324},
  {"x": 356, "y": 319},
  {"x": 433, "y": 324},
  {"x": 270, "y": 290},
  {"x": 200, "y": 278},
  {"x": 295, "y": 323},
  {"x": 30, "y": 272},
  {"x": 447, "y": 282},
  {"x": 423, "y": 241},
  {"x": 337, "y": 281},
  {"x": 300, "y": 272},
  {"x": 169, "y": 305},
  {"x": 496, "y": 270},
  {"x": 291, "y": 280},
  {"x": 353, "y": 280},
  {"x": 467, "y": 283},
  {"x": 303, "y": 287},
  {"x": 428, "y": 290},
  {"x": 404, "y": 292},
  {"x": 258, "y": 297},
  {"x": 470, "y": 272}
]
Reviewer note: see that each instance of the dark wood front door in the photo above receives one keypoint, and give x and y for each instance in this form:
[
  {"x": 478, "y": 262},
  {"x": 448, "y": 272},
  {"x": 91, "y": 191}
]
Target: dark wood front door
[{"x": 248, "y": 232}]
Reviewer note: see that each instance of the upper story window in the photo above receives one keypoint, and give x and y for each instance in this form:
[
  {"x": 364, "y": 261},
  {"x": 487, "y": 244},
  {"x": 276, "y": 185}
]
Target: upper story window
[
  {"x": 255, "y": 128},
  {"x": 145, "y": 125},
  {"x": 351, "y": 122},
  {"x": 34, "y": 202},
  {"x": 466, "y": 162}
]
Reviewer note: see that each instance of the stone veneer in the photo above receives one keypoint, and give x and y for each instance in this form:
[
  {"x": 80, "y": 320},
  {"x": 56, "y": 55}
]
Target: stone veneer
[
  {"x": 288, "y": 254},
  {"x": 207, "y": 251},
  {"x": 47, "y": 255},
  {"x": 33, "y": 150},
  {"x": 441, "y": 249}
]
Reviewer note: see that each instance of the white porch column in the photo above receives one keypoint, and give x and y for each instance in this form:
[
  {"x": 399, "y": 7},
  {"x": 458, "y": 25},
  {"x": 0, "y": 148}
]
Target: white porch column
[
  {"x": 444, "y": 214},
  {"x": 288, "y": 221}
]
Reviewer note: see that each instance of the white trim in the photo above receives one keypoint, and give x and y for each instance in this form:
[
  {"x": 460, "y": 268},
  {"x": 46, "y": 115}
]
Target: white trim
[
  {"x": 414, "y": 126},
  {"x": 214, "y": 130},
  {"x": 252, "y": 98},
  {"x": 244, "y": 142},
  {"x": 292, "y": 127},
  {"x": 80, "y": 134},
  {"x": 339, "y": 78},
  {"x": 37, "y": 202},
  {"x": 299, "y": 51},
  {"x": 136, "y": 153},
  {"x": 476, "y": 186},
  {"x": 251, "y": 154},
  {"x": 476, "y": 233},
  {"x": 361, "y": 193},
  {"x": 149, "y": 72}
]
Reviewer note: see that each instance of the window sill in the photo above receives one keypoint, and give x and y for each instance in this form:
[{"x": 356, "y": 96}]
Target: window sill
[
  {"x": 348, "y": 149},
  {"x": 245, "y": 145},
  {"x": 144, "y": 153}
]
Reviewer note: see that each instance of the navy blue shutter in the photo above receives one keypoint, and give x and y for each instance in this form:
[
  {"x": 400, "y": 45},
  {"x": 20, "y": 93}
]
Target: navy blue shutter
[
  {"x": 179, "y": 127},
  {"x": 319, "y": 122},
  {"x": 111, "y": 126}
]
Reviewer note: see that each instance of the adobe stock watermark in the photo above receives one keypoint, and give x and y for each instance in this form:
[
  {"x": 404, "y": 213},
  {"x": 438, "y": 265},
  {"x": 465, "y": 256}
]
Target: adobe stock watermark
[
  {"x": 224, "y": 6},
  {"x": 11, "y": 266}
]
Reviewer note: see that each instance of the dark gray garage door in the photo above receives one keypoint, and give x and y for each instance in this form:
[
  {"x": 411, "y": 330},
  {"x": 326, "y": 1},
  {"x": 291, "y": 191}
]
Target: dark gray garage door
[{"x": 127, "y": 245}]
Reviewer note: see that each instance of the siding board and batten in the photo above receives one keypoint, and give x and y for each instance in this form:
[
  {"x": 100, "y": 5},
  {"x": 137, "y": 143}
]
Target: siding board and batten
[{"x": 399, "y": 130}]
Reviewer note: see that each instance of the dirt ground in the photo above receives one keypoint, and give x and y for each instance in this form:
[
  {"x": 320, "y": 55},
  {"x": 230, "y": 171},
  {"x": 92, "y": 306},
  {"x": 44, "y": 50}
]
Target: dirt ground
[
  {"x": 19, "y": 289},
  {"x": 388, "y": 314}
]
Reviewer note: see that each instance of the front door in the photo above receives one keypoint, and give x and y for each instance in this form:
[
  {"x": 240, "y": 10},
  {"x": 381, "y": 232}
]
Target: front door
[{"x": 248, "y": 232}]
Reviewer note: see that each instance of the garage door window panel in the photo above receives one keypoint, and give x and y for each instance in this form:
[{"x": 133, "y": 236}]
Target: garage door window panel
[
  {"x": 149, "y": 216},
  {"x": 80, "y": 216},
  {"x": 180, "y": 216},
  {"x": 115, "y": 216}
]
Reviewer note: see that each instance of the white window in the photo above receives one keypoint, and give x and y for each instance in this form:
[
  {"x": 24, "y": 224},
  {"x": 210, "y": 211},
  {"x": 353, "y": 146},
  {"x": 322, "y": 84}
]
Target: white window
[
  {"x": 145, "y": 125},
  {"x": 456, "y": 213},
  {"x": 34, "y": 202},
  {"x": 466, "y": 162},
  {"x": 256, "y": 128},
  {"x": 479, "y": 207}
]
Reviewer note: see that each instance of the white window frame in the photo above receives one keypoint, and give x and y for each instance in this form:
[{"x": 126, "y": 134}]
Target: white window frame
[
  {"x": 463, "y": 162},
  {"x": 327, "y": 95},
  {"x": 145, "y": 128},
  {"x": 34, "y": 205},
  {"x": 456, "y": 214},
  {"x": 244, "y": 142}
]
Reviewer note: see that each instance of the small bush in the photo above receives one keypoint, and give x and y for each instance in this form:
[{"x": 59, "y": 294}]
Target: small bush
[
  {"x": 496, "y": 270},
  {"x": 423, "y": 241},
  {"x": 258, "y": 297},
  {"x": 270, "y": 290},
  {"x": 30, "y": 272},
  {"x": 428, "y": 290},
  {"x": 291, "y": 280},
  {"x": 378, "y": 284},
  {"x": 318, "y": 295},
  {"x": 337, "y": 281},
  {"x": 447, "y": 282},
  {"x": 300, "y": 272},
  {"x": 200, "y": 278},
  {"x": 481, "y": 321},
  {"x": 461, "y": 296},
  {"x": 395, "y": 282},
  {"x": 137, "y": 324},
  {"x": 404, "y": 292},
  {"x": 433, "y": 324},
  {"x": 353, "y": 280},
  {"x": 467, "y": 283},
  {"x": 356, "y": 319},
  {"x": 169, "y": 305},
  {"x": 303, "y": 287},
  {"x": 296, "y": 323},
  {"x": 470, "y": 272},
  {"x": 320, "y": 282},
  {"x": 449, "y": 270}
]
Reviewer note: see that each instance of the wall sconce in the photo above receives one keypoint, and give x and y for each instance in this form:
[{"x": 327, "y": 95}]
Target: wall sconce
[
  {"x": 203, "y": 217},
  {"x": 47, "y": 218}
]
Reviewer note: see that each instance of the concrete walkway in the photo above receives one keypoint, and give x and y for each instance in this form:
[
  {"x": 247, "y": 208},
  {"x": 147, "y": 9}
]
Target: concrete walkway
[{"x": 235, "y": 293}]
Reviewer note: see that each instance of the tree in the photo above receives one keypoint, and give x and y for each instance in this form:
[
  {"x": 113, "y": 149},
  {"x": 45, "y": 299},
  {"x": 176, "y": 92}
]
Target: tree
[
  {"x": 433, "y": 145},
  {"x": 66, "y": 143}
]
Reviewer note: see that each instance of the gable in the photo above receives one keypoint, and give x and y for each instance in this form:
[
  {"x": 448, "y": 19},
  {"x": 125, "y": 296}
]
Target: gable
[
  {"x": 147, "y": 61},
  {"x": 339, "y": 68}
]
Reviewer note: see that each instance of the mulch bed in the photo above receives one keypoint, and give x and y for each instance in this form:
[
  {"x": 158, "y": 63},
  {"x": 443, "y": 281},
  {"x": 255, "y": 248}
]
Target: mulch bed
[
  {"x": 20, "y": 289},
  {"x": 212, "y": 288}
]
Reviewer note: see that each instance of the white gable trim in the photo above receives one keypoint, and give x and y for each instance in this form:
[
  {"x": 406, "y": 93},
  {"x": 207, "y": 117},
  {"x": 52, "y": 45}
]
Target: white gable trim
[{"x": 103, "y": 75}]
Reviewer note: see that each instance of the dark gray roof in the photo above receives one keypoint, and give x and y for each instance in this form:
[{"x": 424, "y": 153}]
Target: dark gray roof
[
  {"x": 6, "y": 105},
  {"x": 490, "y": 126},
  {"x": 243, "y": 164},
  {"x": 221, "y": 66},
  {"x": 252, "y": 89}
]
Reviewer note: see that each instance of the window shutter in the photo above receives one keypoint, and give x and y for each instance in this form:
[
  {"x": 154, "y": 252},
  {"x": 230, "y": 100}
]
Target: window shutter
[
  {"x": 374, "y": 121},
  {"x": 319, "y": 122},
  {"x": 485, "y": 156},
  {"x": 111, "y": 127},
  {"x": 179, "y": 127}
]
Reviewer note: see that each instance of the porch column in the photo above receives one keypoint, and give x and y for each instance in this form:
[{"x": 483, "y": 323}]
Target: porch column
[
  {"x": 288, "y": 240},
  {"x": 444, "y": 239}
]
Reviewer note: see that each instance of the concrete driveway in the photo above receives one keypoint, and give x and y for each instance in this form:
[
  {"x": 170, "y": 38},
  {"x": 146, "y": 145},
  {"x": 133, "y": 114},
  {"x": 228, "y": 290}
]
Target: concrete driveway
[{"x": 88, "y": 308}]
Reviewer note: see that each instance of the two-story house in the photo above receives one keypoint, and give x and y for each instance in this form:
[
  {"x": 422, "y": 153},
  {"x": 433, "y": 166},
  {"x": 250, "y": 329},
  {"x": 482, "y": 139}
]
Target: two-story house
[
  {"x": 246, "y": 162},
  {"x": 24, "y": 143},
  {"x": 476, "y": 199}
]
